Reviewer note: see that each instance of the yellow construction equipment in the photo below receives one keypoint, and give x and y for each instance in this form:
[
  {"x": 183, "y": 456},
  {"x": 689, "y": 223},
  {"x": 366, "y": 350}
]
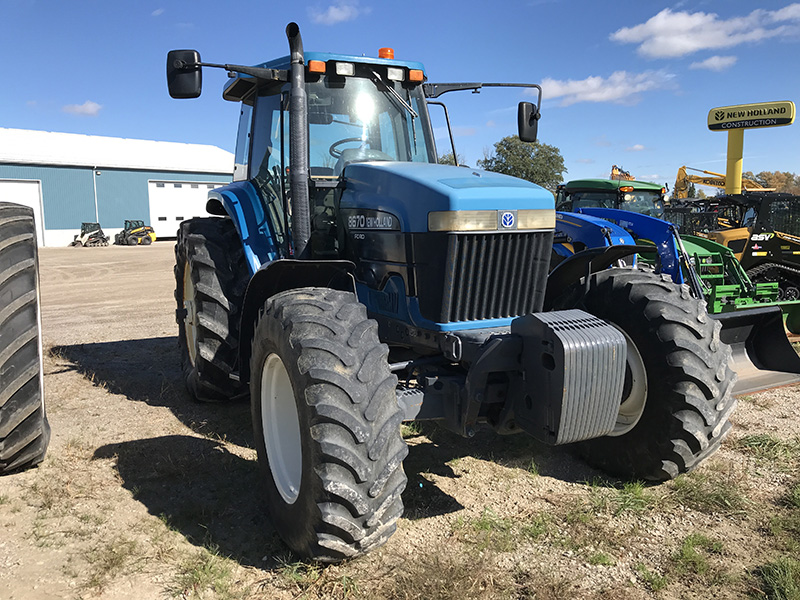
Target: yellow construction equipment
[
  {"x": 621, "y": 175},
  {"x": 717, "y": 180}
]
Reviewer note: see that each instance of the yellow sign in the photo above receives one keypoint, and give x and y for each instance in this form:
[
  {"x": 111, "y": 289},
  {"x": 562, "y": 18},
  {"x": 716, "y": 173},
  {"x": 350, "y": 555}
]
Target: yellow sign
[{"x": 751, "y": 116}]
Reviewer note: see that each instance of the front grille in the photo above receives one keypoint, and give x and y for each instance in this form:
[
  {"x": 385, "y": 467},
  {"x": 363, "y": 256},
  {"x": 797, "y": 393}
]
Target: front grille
[{"x": 490, "y": 276}]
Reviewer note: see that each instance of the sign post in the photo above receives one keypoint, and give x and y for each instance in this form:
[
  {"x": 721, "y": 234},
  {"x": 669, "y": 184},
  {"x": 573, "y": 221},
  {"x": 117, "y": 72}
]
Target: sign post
[{"x": 734, "y": 120}]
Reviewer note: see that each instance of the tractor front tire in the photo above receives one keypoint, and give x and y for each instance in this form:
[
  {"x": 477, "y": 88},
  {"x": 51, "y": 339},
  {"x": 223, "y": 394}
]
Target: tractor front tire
[
  {"x": 210, "y": 280},
  {"x": 327, "y": 424},
  {"x": 677, "y": 399},
  {"x": 24, "y": 430}
]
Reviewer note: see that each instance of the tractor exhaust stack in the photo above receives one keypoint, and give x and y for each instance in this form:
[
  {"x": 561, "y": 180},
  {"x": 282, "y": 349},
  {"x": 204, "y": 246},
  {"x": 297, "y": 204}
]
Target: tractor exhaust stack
[{"x": 298, "y": 144}]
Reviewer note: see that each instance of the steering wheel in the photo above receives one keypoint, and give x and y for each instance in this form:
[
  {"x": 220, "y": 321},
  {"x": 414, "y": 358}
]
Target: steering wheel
[{"x": 335, "y": 152}]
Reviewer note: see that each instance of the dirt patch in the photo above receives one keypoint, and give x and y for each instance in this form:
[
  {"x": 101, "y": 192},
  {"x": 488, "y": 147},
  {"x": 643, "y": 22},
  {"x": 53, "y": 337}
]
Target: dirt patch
[{"x": 146, "y": 494}]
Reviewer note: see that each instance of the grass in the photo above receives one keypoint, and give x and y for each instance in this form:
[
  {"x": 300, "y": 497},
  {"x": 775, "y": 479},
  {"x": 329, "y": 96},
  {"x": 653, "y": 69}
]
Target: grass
[
  {"x": 692, "y": 556},
  {"x": 107, "y": 561},
  {"x": 709, "y": 493},
  {"x": 451, "y": 575},
  {"x": 205, "y": 573},
  {"x": 780, "y": 580},
  {"x": 654, "y": 581},
  {"x": 500, "y": 534},
  {"x": 601, "y": 559},
  {"x": 631, "y": 497},
  {"x": 770, "y": 449},
  {"x": 410, "y": 429}
]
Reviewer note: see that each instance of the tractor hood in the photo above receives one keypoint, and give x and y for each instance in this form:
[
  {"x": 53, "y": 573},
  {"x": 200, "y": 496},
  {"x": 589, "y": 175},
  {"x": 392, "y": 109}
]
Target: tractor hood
[{"x": 409, "y": 191}]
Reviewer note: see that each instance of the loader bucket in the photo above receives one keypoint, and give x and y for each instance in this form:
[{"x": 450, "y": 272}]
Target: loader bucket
[{"x": 762, "y": 354}]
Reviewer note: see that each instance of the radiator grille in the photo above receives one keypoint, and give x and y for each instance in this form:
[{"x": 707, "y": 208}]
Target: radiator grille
[{"x": 497, "y": 275}]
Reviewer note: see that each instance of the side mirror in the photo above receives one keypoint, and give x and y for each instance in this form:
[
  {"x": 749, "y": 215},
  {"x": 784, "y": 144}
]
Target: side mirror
[
  {"x": 528, "y": 121},
  {"x": 184, "y": 74}
]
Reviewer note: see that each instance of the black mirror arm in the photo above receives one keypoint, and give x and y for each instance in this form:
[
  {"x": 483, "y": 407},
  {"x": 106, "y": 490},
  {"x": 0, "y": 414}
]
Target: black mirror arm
[{"x": 257, "y": 72}]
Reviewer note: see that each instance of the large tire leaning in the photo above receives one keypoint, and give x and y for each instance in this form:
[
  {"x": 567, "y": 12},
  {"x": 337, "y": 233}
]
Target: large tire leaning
[
  {"x": 24, "y": 430},
  {"x": 210, "y": 280},
  {"x": 327, "y": 424},
  {"x": 683, "y": 414}
]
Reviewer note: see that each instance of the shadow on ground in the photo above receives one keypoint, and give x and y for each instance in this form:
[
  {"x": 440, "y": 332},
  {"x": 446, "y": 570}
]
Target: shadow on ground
[
  {"x": 431, "y": 451},
  {"x": 209, "y": 494},
  {"x": 200, "y": 490},
  {"x": 148, "y": 370}
]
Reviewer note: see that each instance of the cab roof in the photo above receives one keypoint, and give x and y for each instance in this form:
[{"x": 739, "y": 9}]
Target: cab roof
[
  {"x": 610, "y": 185},
  {"x": 283, "y": 63}
]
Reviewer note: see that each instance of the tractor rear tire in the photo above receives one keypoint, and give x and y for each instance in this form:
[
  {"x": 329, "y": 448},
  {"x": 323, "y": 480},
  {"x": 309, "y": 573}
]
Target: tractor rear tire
[
  {"x": 24, "y": 430},
  {"x": 327, "y": 424},
  {"x": 681, "y": 415},
  {"x": 211, "y": 276}
]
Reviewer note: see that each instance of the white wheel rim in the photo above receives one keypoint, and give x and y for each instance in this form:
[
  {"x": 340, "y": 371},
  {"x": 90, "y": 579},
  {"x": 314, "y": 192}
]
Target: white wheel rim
[
  {"x": 281, "y": 426},
  {"x": 190, "y": 321},
  {"x": 632, "y": 406}
]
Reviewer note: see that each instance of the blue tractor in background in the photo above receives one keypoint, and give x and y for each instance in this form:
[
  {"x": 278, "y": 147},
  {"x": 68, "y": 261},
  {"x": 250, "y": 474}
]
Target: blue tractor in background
[
  {"x": 349, "y": 283},
  {"x": 625, "y": 212}
]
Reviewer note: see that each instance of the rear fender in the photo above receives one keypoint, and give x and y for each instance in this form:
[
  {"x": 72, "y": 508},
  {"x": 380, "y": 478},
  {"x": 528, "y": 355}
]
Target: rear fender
[
  {"x": 241, "y": 202},
  {"x": 280, "y": 276}
]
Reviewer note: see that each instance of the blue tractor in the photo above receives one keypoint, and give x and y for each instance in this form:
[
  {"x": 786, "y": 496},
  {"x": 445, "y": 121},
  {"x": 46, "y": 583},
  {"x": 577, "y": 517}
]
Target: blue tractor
[{"x": 349, "y": 283}]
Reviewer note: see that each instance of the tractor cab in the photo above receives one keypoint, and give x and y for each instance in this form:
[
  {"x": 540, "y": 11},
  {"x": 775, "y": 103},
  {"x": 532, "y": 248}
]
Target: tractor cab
[
  {"x": 358, "y": 110},
  {"x": 635, "y": 196}
]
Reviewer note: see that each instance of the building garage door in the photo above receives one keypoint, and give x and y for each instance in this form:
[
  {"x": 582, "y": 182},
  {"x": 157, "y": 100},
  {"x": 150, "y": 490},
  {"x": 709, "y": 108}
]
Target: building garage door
[
  {"x": 174, "y": 201},
  {"x": 28, "y": 193}
]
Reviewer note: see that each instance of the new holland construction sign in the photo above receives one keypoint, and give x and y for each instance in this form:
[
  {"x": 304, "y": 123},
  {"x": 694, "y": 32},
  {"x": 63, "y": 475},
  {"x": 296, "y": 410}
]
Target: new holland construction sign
[{"x": 747, "y": 116}]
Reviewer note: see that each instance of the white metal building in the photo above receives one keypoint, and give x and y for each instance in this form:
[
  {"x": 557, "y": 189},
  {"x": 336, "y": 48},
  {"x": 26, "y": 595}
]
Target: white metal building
[{"x": 69, "y": 178}]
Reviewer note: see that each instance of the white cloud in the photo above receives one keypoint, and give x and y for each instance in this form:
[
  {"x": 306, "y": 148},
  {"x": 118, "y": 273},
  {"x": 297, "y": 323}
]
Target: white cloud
[
  {"x": 157, "y": 12},
  {"x": 673, "y": 34},
  {"x": 344, "y": 10},
  {"x": 464, "y": 131},
  {"x": 87, "y": 109},
  {"x": 715, "y": 63},
  {"x": 635, "y": 148},
  {"x": 620, "y": 87}
]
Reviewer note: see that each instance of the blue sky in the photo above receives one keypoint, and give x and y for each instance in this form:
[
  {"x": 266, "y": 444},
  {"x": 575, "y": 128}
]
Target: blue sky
[{"x": 626, "y": 83}]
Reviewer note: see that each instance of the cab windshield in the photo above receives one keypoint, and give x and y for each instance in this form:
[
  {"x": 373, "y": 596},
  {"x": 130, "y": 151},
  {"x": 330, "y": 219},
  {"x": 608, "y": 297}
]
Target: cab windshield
[
  {"x": 646, "y": 202},
  {"x": 350, "y": 119}
]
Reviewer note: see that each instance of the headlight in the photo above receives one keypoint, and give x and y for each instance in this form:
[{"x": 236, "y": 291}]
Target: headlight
[
  {"x": 462, "y": 220},
  {"x": 542, "y": 218},
  {"x": 490, "y": 220}
]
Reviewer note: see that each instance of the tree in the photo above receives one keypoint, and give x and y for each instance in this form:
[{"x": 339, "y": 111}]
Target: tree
[
  {"x": 538, "y": 163},
  {"x": 692, "y": 191},
  {"x": 447, "y": 159},
  {"x": 782, "y": 181}
]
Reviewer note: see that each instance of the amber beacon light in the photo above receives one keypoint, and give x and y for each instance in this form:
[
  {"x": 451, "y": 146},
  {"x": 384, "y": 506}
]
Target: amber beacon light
[{"x": 386, "y": 53}]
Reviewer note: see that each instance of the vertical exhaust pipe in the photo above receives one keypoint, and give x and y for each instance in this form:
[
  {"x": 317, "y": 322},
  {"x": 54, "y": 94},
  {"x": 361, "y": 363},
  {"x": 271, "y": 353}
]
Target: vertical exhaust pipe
[{"x": 298, "y": 145}]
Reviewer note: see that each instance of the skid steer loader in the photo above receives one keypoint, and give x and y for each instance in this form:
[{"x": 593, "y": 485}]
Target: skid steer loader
[
  {"x": 24, "y": 429},
  {"x": 349, "y": 282},
  {"x": 91, "y": 235},
  {"x": 135, "y": 233}
]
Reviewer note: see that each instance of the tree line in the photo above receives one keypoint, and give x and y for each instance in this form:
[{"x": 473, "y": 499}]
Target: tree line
[
  {"x": 782, "y": 181},
  {"x": 543, "y": 164}
]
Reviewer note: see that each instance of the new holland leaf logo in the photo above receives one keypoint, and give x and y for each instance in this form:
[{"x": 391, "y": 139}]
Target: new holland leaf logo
[{"x": 719, "y": 115}]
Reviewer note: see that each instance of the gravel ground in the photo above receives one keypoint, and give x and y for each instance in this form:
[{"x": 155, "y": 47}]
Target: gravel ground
[{"x": 146, "y": 494}]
